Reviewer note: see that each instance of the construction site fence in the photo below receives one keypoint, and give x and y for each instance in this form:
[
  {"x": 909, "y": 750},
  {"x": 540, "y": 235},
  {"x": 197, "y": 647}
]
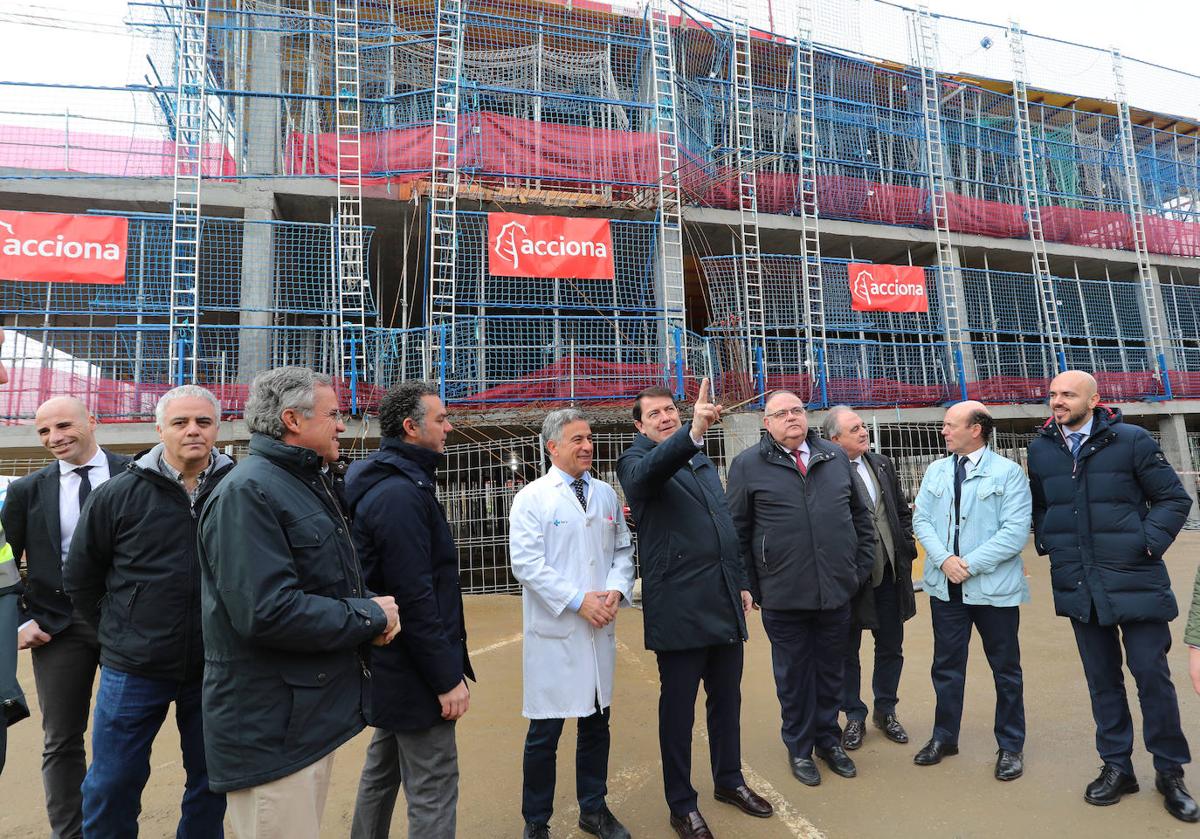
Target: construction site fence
[
  {"x": 480, "y": 476},
  {"x": 286, "y": 269},
  {"x": 884, "y": 358}
]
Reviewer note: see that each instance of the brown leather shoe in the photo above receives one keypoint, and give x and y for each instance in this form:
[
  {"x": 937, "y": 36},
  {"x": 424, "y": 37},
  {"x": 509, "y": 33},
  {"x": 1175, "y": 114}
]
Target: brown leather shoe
[
  {"x": 746, "y": 800},
  {"x": 691, "y": 826}
]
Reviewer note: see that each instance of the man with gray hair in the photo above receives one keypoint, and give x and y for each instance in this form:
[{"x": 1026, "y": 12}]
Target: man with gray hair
[
  {"x": 132, "y": 572},
  {"x": 285, "y": 614},
  {"x": 573, "y": 555},
  {"x": 886, "y": 600}
]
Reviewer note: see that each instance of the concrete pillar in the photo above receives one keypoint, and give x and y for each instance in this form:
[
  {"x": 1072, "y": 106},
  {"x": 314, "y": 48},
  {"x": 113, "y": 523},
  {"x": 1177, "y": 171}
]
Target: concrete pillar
[
  {"x": 262, "y": 154},
  {"x": 741, "y": 431},
  {"x": 257, "y": 294},
  {"x": 263, "y": 124},
  {"x": 1175, "y": 446}
]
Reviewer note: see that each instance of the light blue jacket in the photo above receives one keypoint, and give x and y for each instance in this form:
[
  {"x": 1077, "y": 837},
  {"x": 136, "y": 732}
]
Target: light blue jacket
[{"x": 996, "y": 510}]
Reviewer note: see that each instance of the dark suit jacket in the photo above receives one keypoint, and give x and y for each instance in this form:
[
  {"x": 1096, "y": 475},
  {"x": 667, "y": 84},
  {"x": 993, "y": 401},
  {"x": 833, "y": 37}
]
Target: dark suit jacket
[
  {"x": 900, "y": 519},
  {"x": 692, "y": 571},
  {"x": 31, "y": 525}
]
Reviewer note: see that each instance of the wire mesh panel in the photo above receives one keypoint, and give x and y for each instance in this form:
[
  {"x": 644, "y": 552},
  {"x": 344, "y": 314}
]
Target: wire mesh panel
[
  {"x": 531, "y": 340},
  {"x": 481, "y": 478},
  {"x": 1101, "y": 327},
  {"x": 266, "y": 299},
  {"x": 873, "y": 358}
]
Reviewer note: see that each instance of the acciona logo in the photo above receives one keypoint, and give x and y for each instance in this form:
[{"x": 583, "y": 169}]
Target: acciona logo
[
  {"x": 865, "y": 287},
  {"x": 59, "y": 247},
  {"x": 514, "y": 241},
  {"x": 549, "y": 246}
]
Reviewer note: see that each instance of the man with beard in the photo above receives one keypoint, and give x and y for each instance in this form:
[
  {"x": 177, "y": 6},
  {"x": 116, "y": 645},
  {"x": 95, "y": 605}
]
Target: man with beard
[{"x": 1106, "y": 507}]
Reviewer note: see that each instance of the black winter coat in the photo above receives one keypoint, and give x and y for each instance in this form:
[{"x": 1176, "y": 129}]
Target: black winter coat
[
  {"x": 407, "y": 551},
  {"x": 1107, "y": 523},
  {"x": 286, "y": 618},
  {"x": 692, "y": 573},
  {"x": 808, "y": 541},
  {"x": 900, "y": 519},
  {"x": 132, "y": 570}
]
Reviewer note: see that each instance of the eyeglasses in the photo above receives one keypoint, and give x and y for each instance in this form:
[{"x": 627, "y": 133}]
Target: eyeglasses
[{"x": 786, "y": 412}]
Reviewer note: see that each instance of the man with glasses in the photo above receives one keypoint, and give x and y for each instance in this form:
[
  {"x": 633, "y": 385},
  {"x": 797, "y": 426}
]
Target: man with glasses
[{"x": 808, "y": 541}]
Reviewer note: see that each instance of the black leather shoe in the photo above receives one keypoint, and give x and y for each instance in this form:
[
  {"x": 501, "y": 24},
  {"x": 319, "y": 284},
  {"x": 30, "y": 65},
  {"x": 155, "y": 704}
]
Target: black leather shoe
[
  {"x": 602, "y": 823},
  {"x": 891, "y": 727},
  {"x": 536, "y": 831},
  {"x": 746, "y": 800},
  {"x": 805, "y": 771},
  {"x": 1176, "y": 798},
  {"x": 1009, "y": 765},
  {"x": 837, "y": 760},
  {"x": 933, "y": 752},
  {"x": 1108, "y": 788},
  {"x": 852, "y": 734},
  {"x": 691, "y": 826}
]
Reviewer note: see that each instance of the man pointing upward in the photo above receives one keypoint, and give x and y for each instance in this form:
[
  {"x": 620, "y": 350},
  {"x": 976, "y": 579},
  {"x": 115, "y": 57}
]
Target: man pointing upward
[{"x": 695, "y": 594}]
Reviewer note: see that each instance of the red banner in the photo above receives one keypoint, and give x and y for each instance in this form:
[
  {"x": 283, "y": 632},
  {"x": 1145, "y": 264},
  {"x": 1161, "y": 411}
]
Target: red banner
[
  {"x": 887, "y": 288},
  {"x": 549, "y": 246},
  {"x": 57, "y": 248}
]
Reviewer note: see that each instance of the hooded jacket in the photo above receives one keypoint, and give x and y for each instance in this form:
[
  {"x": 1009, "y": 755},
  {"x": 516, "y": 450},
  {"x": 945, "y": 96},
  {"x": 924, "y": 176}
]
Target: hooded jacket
[
  {"x": 132, "y": 570},
  {"x": 407, "y": 551},
  {"x": 1107, "y": 521}
]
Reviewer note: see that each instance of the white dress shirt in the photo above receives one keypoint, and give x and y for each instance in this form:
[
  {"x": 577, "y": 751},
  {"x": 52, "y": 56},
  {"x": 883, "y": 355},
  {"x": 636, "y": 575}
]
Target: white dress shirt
[
  {"x": 68, "y": 494},
  {"x": 1086, "y": 431}
]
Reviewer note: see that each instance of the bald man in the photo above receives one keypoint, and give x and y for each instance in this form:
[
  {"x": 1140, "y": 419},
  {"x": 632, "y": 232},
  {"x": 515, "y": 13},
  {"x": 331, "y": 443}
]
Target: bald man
[
  {"x": 39, "y": 517},
  {"x": 1106, "y": 507},
  {"x": 972, "y": 517}
]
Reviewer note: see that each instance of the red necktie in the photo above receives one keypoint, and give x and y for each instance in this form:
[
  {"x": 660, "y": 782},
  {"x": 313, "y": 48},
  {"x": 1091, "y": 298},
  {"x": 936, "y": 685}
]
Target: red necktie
[{"x": 800, "y": 462}]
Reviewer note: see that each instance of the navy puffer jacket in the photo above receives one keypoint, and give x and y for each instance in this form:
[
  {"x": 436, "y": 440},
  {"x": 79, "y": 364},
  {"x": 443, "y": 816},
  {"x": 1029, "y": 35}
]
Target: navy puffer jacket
[{"x": 1107, "y": 522}]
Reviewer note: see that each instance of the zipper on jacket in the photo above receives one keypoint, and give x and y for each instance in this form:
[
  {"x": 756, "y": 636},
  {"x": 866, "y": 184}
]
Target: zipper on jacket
[{"x": 763, "y": 552}]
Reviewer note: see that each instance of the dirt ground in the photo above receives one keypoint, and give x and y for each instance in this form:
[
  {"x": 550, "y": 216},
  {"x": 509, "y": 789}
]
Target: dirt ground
[{"x": 891, "y": 796}]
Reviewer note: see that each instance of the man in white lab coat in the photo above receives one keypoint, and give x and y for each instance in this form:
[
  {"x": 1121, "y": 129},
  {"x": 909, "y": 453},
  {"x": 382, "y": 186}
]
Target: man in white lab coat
[{"x": 573, "y": 555}]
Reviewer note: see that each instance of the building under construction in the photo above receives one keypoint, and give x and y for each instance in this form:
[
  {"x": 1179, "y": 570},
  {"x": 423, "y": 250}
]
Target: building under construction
[{"x": 311, "y": 181}]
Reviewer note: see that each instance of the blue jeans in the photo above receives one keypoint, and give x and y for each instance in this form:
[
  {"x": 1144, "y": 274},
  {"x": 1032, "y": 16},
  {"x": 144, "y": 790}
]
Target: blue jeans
[{"x": 129, "y": 712}]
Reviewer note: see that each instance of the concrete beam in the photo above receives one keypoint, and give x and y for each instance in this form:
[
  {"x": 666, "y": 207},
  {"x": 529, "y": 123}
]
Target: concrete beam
[{"x": 1173, "y": 431}]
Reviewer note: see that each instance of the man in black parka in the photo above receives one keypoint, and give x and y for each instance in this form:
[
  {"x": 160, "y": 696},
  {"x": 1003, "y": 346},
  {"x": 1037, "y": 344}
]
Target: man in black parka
[
  {"x": 1106, "y": 506},
  {"x": 419, "y": 684},
  {"x": 133, "y": 573},
  {"x": 694, "y": 595},
  {"x": 808, "y": 543}
]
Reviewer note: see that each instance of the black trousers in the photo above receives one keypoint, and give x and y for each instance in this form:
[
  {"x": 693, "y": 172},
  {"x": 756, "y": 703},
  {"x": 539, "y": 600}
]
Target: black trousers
[
  {"x": 889, "y": 654},
  {"x": 679, "y": 674},
  {"x": 807, "y": 652},
  {"x": 63, "y": 671},
  {"x": 1146, "y": 647},
  {"x": 541, "y": 762},
  {"x": 998, "y": 627}
]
